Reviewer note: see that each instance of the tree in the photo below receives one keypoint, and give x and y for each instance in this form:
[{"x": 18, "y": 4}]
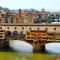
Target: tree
[{"x": 51, "y": 18}]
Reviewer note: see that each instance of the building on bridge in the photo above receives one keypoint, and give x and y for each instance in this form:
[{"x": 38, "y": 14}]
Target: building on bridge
[{"x": 26, "y": 28}]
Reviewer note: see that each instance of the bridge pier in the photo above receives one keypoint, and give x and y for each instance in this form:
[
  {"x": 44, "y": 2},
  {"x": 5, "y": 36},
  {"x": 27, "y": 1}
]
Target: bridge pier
[
  {"x": 4, "y": 44},
  {"x": 38, "y": 46}
]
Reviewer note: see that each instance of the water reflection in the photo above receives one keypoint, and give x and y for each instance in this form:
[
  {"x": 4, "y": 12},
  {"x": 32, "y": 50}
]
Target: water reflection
[{"x": 53, "y": 47}]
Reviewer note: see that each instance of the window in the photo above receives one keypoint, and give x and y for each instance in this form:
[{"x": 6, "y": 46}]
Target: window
[
  {"x": 6, "y": 19},
  {"x": 28, "y": 33},
  {"x": 2, "y": 15},
  {"x": 22, "y": 28},
  {"x": 30, "y": 28},
  {"x": 28, "y": 37},
  {"x": 15, "y": 28},
  {"x": 12, "y": 19},
  {"x": 15, "y": 33},
  {"x": 0, "y": 27},
  {"x": 37, "y": 28},
  {"x": 32, "y": 37},
  {"x": 0, "y": 20},
  {"x": 54, "y": 28},
  {"x": 46, "y": 29},
  {"x": 8, "y": 33},
  {"x": 7, "y": 27},
  {"x": 21, "y": 32}
]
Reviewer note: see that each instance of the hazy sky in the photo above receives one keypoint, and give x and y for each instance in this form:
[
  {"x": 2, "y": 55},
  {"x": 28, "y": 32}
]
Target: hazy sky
[{"x": 50, "y": 5}]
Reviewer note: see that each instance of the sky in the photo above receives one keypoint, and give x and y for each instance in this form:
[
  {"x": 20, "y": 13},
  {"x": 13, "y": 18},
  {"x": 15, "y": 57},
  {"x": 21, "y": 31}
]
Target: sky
[{"x": 48, "y": 5}]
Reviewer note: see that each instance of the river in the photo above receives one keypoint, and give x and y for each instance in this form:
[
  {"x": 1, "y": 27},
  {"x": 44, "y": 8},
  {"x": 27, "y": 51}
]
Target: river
[
  {"x": 26, "y": 56},
  {"x": 8, "y": 54}
]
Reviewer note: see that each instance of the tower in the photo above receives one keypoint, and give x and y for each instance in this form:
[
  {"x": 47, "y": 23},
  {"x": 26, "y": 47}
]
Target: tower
[{"x": 19, "y": 11}]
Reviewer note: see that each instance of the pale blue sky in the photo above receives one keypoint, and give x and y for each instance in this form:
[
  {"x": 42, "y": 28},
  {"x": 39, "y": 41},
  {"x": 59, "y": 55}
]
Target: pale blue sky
[{"x": 50, "y": 5}]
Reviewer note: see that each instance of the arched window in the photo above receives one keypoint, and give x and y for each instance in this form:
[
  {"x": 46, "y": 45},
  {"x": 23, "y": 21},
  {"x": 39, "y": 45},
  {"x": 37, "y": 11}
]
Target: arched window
[
  {"x": 8, "y": 33},
  {"x": 15, "y": 33},
  {"x": 21, "y": 32}
]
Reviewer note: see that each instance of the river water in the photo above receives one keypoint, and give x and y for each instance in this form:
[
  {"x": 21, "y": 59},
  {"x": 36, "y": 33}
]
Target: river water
[
  {"x": 11, "y": 55},
  {"x": 8, "y": 54}
]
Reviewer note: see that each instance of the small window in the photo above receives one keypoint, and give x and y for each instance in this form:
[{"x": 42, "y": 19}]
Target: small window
[
  {"x": 0, "y": 27},
  {"x": 28, "y": 33},
  {"x": 32, "y": 37},
  {"x": 22, "y": 28},
  {"x": 0, "y": 20},
  {"x": 46, "y": 29},
  {"x": 30, "y": 28},
  {"x": 7, "y": 27},
  {"x": 37, "y": 28},
  {"x": 2, "y": 15},
  {"x": 15, "y": 28},
  {"x": 54, "y": 28},
  {"x": 28, "y": 37}
]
